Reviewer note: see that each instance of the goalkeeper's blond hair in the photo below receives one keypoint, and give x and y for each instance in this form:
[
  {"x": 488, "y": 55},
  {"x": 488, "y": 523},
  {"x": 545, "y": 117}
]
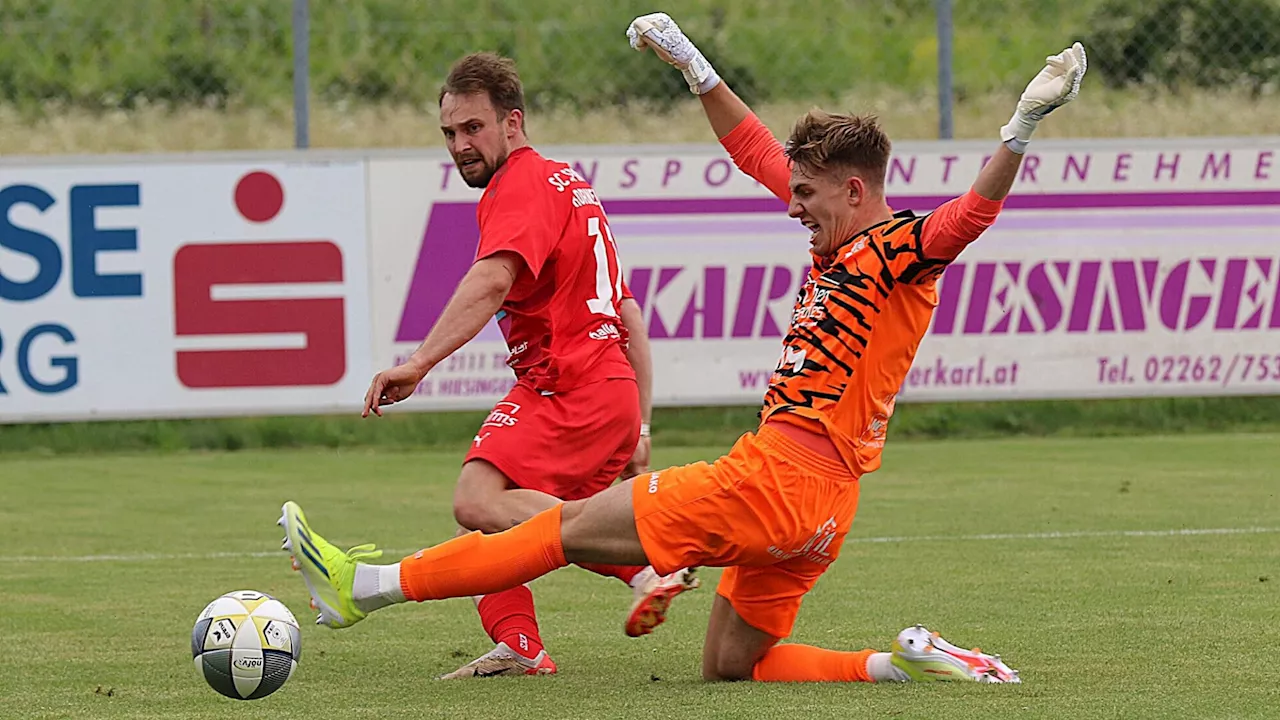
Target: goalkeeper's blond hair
[{"x": 824, "y": 142}]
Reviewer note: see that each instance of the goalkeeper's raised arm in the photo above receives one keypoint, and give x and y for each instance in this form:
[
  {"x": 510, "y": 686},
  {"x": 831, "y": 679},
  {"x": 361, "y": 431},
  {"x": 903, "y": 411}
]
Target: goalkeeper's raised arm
[
  {"x": 1055, "y": 85},
  {"x": 753, "y": 148},
  {"x": 960, "y": 221}
]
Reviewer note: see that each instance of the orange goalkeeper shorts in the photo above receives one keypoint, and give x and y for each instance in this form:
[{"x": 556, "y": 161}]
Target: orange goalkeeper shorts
[{"x": 773, "y": 511}]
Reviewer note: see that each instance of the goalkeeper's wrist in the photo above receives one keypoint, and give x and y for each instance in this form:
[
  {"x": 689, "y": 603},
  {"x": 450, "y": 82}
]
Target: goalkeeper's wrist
[
  {"x": 1018, "y": 131},
  {"x": 699, "y": 74}
]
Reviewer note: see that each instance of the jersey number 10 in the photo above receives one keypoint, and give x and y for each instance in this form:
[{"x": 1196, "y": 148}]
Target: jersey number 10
[{"x": 606, "y": 288}]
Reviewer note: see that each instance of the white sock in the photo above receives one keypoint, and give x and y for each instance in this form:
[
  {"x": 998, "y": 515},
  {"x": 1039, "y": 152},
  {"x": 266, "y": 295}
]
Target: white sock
[
  {"x": 644, "y": 576},
  {"x": 377, "y": 586},
  {"x": 881, "y": 669}
]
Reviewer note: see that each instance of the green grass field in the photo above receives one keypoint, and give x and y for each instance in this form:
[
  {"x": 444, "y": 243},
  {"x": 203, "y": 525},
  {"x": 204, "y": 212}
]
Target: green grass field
[{"x": 1067, "y": 556}]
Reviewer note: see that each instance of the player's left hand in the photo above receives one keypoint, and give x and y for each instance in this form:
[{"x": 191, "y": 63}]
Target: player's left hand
[
  {"x": 639, "y": 463},
  {"x": 1057, "y": 84},
  {"x": 391, "y": 386}
]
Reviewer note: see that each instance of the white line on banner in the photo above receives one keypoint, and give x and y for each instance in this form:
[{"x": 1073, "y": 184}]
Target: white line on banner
[
  {"x": 265, "y": 341},
  {"x": 1061, "y": 535},
  {"x": 271, "y": 291}
]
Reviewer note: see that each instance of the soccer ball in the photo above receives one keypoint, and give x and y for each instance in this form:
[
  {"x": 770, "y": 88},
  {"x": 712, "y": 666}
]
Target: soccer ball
[{"x": 246, "y": 644}]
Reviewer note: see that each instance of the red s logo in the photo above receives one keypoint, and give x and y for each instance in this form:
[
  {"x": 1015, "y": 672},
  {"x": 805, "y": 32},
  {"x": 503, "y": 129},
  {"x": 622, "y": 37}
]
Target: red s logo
[{"x": 198, "y": 268}]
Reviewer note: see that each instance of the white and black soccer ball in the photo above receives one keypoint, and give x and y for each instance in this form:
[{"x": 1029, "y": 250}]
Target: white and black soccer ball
[{"x": 246, "y": 644}]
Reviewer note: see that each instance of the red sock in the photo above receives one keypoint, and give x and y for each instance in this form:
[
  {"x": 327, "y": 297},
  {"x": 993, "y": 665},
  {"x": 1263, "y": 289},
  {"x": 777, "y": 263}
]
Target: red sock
[
  {"x": 805, "y": 663},
  {"x": 508, "y": 617},
  {"x": 622, "y": 572}
]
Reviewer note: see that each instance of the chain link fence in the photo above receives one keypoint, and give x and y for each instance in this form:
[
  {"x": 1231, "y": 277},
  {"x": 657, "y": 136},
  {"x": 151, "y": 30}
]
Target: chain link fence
[{"x": 83, "y": 58}]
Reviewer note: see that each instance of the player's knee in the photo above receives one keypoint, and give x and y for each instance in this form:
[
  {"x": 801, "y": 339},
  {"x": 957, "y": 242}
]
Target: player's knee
[
  {"x": 572, "y": 523},
  {"x": 725, "y": 669},
  {"x": 474, "y": 514}
]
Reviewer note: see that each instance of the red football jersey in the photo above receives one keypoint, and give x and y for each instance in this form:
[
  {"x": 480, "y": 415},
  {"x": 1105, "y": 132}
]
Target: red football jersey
[{"x": 561, "y": 318}]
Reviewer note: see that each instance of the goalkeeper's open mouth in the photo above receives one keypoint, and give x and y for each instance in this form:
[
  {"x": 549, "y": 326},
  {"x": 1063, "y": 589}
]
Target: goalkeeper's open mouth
[{"x": 814, "y": 229}]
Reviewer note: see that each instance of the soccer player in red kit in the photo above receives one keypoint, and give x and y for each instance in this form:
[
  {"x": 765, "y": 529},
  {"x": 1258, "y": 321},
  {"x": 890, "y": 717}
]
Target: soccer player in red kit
[{"x": 547, "y": 267}]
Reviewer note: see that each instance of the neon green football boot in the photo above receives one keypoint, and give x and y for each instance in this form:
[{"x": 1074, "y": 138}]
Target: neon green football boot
[
  {"x": 925, "y": 656},
  {"x": 329, "y": 572}
]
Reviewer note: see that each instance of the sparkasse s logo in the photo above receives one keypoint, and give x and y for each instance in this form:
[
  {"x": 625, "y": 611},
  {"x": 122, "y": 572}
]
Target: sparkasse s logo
[{"x": 262, "y": 314}]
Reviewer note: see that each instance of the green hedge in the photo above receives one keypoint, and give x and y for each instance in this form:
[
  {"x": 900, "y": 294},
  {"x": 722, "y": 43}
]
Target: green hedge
[
  {"x": 672, "y": 426},
  {"x": 109, "y": 54},
  {"x": 1188, "y": 43}
]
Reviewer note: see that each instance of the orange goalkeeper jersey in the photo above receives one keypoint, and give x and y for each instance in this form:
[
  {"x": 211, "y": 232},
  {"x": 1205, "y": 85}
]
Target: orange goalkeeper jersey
[{"x": 859, "y": 319}]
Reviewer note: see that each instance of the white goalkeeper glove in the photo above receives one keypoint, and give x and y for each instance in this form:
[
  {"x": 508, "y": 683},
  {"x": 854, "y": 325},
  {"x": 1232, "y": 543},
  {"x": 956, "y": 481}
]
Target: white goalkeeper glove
[
  {"x": 660, "y": 32},
  {"x": 1056, "y": 85}
]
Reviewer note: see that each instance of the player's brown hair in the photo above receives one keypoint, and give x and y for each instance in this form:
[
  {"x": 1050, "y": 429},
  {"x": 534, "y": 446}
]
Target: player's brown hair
[
  {"x": 823, "y": 141},
  {"x": 488, "y": 73}
]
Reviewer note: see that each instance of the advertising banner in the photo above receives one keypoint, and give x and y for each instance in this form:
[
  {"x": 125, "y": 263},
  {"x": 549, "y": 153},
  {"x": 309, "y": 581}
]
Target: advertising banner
[
  {"x": 1118, "y": 268},
  {"x": 179, "y": 289}
]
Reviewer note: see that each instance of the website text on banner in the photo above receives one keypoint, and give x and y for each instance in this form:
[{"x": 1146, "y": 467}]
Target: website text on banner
[
  {"x": 1119, "y": 268},
  {"x": 178, "y": 290}
]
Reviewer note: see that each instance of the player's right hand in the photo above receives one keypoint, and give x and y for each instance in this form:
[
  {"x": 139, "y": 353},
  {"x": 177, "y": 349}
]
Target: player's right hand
[
  {"x": 391, "y": 386},
  {"x": 660, "y": 32},
  {"x": 639, "y": 462}
]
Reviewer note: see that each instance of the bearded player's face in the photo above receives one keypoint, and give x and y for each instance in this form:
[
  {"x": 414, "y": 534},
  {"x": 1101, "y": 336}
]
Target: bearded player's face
[{"x": 477, "y": 135}]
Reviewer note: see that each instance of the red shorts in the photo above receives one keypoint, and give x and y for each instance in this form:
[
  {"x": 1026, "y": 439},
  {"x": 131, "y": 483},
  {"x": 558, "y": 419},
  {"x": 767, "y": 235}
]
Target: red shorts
[{"x": 568, "y": 444}]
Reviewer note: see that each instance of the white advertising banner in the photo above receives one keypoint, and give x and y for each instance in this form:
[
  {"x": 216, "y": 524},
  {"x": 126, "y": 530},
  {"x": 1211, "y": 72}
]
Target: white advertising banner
[
  {"x": 175, "y": 288},
  {"x": 1118, "y": 268}
]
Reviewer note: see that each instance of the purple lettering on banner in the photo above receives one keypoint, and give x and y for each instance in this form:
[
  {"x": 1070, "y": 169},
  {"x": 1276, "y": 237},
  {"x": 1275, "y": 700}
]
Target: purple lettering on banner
[
  {"x": 1006, "y": 298},
  {"x": 1219, "y": 168},
  {"x": 1255, "y": 321},
  {"x": 1275, "y": 307},
  {"x": 1047, "y": 304},
  {"x": 590, "y": 177},
  {"x": 657, "y": 329},
  {"x": 949, "y": 286},
  {"x": 1082, "y": 171},
  {"x": 722, "y": 167},
  {"x": 779, "y": 288},
  {"x": 628, "y": 169},
  {"x": 672, "y": 169},
  {"x": 1128, "y": 296},
  {"x": 947, "y": 160},
  {"x": 1172, "y": 167},
  {"x": 1086, "y": 294},
  {"x": 1232, "y": 289},
  {"x": 1171, "y": 296},
  {"x": 975, "y": 322},
  {"x": 1198, "y": 308},
  {"x": 1123, "y": 161},
  {"x": 1150, "y": 270},
  {"x": 907, "y": 173},
  {"x": 1030, "y": 165},
  {"x": 448, "y": 249},
  {"x": 744, "y": 320},
  {"x": 1133, "y": 291},
  {"x": 710, "y": 309},
  {"x": 446, "y": 169},
  {"x": 1263, "y": 172}
]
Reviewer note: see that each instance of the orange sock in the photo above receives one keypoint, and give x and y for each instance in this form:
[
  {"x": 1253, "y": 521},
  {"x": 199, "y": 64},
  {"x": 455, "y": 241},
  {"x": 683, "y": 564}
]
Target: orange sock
[
  {"x": 479, "y": 564},
  {"x": 805, "y": 663}
]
